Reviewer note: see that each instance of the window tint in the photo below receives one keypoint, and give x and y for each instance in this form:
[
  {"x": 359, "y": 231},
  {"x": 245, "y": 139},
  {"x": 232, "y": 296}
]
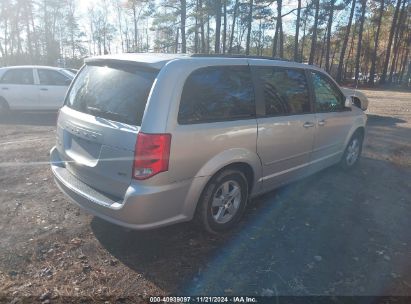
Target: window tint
[
  {"x": 285, "y": 90},
  {"x": 18, "y": 76},
  {"x": 217, "y": 93},
  {"x": 327, "y": 97},
  {"x": 49, "y": 77},
  {"x": 117, "y": 92}
]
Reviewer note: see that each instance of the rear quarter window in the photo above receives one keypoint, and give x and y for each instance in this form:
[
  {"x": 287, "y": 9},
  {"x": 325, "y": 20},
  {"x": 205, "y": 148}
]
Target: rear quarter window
[
  {"x": 217, "y": 93},
  {"x": 18, "y": 76},
  {"x": 115, "y": 92}
]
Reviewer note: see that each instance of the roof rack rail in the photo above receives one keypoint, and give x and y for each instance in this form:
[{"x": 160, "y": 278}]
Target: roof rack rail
[{"x": 240, "y": 56}]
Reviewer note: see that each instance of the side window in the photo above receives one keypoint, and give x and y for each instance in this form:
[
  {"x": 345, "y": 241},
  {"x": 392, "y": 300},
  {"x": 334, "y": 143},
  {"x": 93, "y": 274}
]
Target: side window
[
  {"x": 285, "y": 90},
  {"x": 217, "y": 93},
  {"x": 49, "y": 77},
  {"x": 18, "y": 76},
  {"x": 327, "y": 97}
]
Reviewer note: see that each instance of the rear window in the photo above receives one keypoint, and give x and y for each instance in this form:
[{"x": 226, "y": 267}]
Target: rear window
[
  {"x": 117, "y": 92},
  {"x": 217, "y": 93}
]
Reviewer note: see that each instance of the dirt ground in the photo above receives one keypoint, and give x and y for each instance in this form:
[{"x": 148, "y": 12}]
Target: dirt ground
[{"x": 334, "y": 233}]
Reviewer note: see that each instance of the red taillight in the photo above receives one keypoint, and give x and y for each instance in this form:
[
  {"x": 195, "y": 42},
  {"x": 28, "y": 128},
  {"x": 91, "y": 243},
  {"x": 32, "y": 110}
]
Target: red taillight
[{"x": 151, "y": 155}]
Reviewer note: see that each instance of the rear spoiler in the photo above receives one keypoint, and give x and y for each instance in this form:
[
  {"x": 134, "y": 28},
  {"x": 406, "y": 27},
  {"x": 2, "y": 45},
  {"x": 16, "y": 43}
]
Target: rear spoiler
[{"x": 121, "y": 62}]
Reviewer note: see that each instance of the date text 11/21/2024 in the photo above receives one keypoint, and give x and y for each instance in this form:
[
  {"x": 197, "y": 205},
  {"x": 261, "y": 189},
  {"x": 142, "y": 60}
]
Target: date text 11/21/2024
[{"x": 203, "y": 299}]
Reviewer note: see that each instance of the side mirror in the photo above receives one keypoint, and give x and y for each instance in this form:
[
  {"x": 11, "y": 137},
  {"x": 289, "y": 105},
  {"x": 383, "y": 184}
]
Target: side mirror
[{"x": 348, "y": 102}]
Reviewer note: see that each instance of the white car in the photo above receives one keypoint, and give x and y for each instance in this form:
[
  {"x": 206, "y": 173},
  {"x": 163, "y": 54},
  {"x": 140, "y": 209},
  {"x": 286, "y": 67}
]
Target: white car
[
  {"x": 33, "y": 88},
  {"x": 358, "y": 98}
]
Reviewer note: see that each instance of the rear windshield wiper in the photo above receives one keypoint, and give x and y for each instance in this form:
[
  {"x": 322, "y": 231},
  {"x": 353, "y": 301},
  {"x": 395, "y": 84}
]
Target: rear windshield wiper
[{"x": 109, "y": 115}]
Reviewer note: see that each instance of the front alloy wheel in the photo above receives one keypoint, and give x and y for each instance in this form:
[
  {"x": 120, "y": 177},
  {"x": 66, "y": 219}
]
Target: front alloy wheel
[{"x": 353, "y": 151}]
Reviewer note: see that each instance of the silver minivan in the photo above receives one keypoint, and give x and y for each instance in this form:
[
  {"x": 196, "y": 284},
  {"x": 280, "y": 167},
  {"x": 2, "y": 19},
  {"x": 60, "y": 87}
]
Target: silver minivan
[{"x": 148, "y": 140}]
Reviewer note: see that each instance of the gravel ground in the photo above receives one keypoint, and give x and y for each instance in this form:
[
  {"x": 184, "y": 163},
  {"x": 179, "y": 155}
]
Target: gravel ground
[{"x": 334, "y": 233}]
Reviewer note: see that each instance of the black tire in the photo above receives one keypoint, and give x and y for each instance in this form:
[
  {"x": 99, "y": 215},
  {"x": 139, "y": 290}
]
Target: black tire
[
  {"x": 4, "y": 107},
  {"x": 352, "y": 153},
  {"x": 206, "y": 214}
]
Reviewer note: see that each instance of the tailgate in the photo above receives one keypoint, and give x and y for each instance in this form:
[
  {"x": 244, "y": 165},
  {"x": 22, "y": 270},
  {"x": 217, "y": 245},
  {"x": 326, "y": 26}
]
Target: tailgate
[
  {"x": 97, "y": 151},
  {"x": 98, "y": 126}
]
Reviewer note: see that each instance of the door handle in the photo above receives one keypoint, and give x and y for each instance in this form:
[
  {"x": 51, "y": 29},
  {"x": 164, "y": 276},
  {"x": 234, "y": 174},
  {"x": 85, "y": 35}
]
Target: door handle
[
  {"x": 4, "y": 88},
  {"x": 44, "y": 89},
  {"x": 308, "y": 124},
  {"x": 322, "y": 122}
]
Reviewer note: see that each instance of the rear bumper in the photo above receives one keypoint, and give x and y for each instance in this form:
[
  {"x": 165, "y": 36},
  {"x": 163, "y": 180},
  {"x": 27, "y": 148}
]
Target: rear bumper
[{"x": 143, "y": 207}]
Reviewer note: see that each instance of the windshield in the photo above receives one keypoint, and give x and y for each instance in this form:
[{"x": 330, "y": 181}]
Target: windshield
[
  {"x": 68, "y": 73},
  {"x": 117, "y": 93}
]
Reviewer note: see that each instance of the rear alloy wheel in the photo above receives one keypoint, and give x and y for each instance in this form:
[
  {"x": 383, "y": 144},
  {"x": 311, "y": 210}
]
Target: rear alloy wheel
[
  {"x": 353, "y": 151},
  {"x": 223, "y": 201},
  {"x": 226, "y": 202}
]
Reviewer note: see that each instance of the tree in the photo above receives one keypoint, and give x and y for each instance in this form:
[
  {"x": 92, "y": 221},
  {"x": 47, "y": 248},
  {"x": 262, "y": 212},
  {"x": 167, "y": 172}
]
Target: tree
[
  {"x": 249, "y": 24},
  {"x": 314, "y": 35},
  {"x": 72, "y": 29},
  {"x": 166, "y": 25},
  {"x": 235, "y": 10},
  {"x": 117, "y": 5},
  {"x": 359, "y": 45},
  {"x": 328, "y": 42},
  {"x": 297, "y": 31},
  {"x": 138, "y": 9},
  {"x": 183, "y": 16},
  {"x": 376, "y": 40},
  {"x": 225, "y": 26},
  {"x": 217, "y": 26},
  {"x": 345, "y": 42},
  {"x": 406, "y": 61},
  {"x": 389, "y": 45},
  {"x": 56, "y": 32},
  {"x": 278, "y": 32},
  {"x": 203, "y": 44},
  {"x": 397, "y": 39}
]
